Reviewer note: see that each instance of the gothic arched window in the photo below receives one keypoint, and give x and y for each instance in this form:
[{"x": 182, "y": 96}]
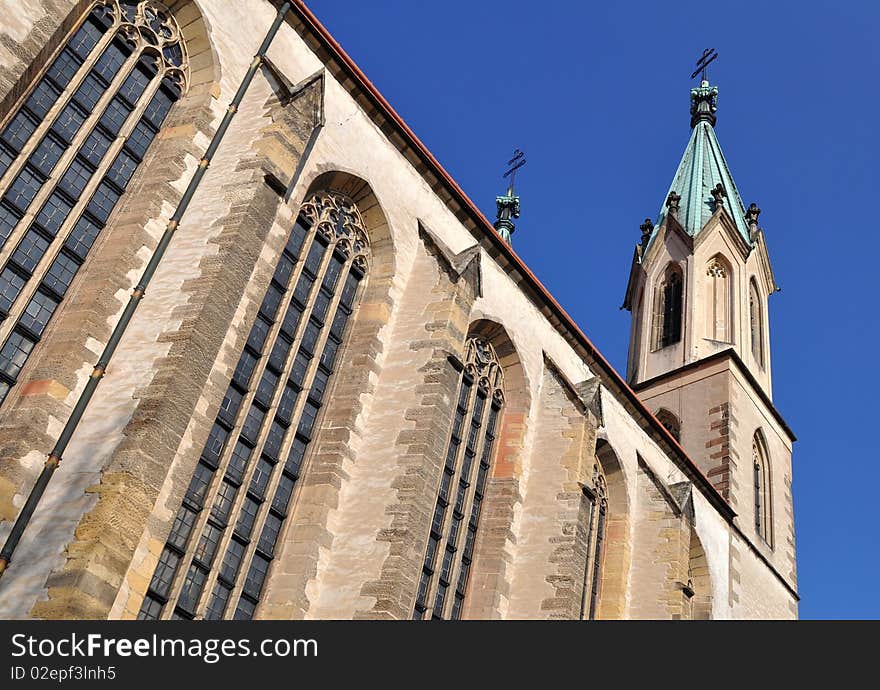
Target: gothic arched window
[
  {"x": 670, "y": 421},
  {"x": 762, "y": 487},
  {"x": 596, "y": 513},
  {"x": 718, "y": 300},
  {"x": 756, "y": 322},
  {"x": 68, "y": 152},
  {"x": 668, "y": 308},
  {"x": 223, "y": 539},
  {"x": 450, "y": 550}
]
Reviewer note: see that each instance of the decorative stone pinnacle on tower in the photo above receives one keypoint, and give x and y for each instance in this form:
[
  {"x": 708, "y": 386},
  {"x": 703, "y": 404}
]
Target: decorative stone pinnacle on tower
[
  {"x": 752, "y": 213},
  {"x": 673, "y": 202},
  {"x": 508, "y": 204},
  {"x": 718, "y": 193},
  {"x": 704, "y": 103},
  {"x": 647, "y": 228}
]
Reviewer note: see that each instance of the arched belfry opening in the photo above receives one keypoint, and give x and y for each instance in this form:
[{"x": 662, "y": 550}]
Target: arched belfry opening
[
  {"x": 718, "y": 281},
  {"x": 668, "y": 307}
]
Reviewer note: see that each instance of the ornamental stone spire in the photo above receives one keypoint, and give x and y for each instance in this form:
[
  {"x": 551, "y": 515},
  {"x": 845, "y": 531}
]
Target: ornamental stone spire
[{"x": 508, "y": 204}]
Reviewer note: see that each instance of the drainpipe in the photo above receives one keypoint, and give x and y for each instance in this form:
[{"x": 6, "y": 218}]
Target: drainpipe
[{"x": 137, "y": 295}]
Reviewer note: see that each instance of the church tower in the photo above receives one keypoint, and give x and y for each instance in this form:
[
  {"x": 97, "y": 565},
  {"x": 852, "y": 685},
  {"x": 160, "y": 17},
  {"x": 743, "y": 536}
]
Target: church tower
[{"x": 699, "y": 353}]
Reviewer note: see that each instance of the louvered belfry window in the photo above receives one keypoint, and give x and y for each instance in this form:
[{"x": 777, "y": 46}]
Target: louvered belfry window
[
  {"x": 450, "y": 550},
  {"x": 68, "y": 152},
  {"x": 226, "y": 532}
]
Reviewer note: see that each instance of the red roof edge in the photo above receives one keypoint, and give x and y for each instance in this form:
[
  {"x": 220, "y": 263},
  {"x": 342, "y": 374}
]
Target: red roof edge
[{"x": 505, "y": 249}]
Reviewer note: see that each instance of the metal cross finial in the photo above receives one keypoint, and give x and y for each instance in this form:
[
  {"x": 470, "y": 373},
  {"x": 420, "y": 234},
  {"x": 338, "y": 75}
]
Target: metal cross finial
[
  {"x": 515, "y": 163},
  {"x": 708, "y": 56}
]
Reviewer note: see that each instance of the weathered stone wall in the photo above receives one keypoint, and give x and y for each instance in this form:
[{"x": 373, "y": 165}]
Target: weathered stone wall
[{"x": 550, "y": 569}]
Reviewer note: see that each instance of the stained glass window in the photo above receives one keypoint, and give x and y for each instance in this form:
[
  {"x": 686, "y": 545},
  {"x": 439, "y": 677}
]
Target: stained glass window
[
  {"x": 67, "y": 156},
  {"x": 462, "y": 485},
  {"x": 269, "y": 418}
]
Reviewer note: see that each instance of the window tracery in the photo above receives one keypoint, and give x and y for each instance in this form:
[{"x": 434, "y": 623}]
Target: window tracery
[
  {"x": 446, "y": 567},
  {"x": 217, "y": 558}
]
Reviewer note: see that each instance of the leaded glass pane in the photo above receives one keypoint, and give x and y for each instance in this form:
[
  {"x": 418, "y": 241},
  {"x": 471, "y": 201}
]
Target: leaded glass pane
[
  {"x": 47, "y": 154},
  {"x": 69, "y": 122},
  {"x": 283, "y": 494},
  {"x": 182, "y": 527},
  {"x": 15, "y": 353},
  {"x": 11, "y": 284},
  {"x": 192, "y": 588},
  {"x": 24, "y": 188},
  {"x": 223, "y": 501},
  {"x": 42, "y": 98},
  {"x": 38, "y": 312},
  {"x": 61, "y": 273},
  {"x": 82, "y": 237},
  {"x": 207, "y": 545},
  {"x": 19, "y": 130}
]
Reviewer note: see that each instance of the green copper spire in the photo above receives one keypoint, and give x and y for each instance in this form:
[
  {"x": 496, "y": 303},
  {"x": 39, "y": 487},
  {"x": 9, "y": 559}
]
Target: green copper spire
[
  {"x": 703, "y": 180},
  {"x": 508, "y": 204}
]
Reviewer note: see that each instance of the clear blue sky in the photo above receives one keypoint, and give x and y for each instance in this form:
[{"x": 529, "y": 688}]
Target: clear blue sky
[{"x": 596, "y": 94}]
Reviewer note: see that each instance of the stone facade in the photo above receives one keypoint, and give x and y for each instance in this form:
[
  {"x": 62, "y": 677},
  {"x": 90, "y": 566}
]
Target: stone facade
[{"x": 353, "y": 544}]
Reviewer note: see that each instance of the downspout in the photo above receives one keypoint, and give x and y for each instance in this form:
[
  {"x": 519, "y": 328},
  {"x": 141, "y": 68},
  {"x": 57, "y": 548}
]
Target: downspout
[{"x": 137, "y": 295}]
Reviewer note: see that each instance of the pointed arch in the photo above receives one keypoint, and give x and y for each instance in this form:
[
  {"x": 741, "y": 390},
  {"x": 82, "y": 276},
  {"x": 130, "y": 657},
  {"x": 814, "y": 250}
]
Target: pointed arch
[
  {"x": 756, "y": 322},
  {"x": 763, "y": 488},
  {"x": 282, "y": 395},
  {"x": 699, "y": 580},
  {"x": 468, "y": 579},
  {"x": 719, "y": 299},
  {"x": 670, "y": 421},
  {"x": 668, "y": 307},
  {"x": 608, "y": 570}
]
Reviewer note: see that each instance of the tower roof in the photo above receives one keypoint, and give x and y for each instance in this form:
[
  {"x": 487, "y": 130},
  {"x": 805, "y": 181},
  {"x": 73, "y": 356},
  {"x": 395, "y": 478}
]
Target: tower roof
[{"x": 702, "y": 169}]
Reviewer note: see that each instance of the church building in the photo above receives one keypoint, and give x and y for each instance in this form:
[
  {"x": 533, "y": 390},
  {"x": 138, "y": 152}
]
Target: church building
[{"x": 261, "y": 357}]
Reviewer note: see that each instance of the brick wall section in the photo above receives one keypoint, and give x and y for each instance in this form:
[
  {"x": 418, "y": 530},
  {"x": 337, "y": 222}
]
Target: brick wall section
[{"x": 718, "y": 449}]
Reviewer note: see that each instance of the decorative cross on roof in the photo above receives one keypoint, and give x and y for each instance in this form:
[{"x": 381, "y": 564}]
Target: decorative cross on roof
[{"x": 709, "y": 55}]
